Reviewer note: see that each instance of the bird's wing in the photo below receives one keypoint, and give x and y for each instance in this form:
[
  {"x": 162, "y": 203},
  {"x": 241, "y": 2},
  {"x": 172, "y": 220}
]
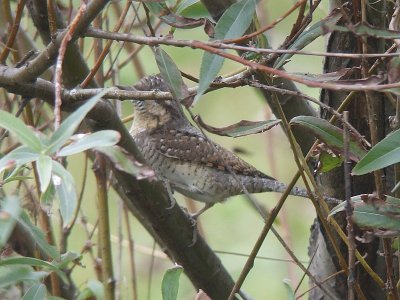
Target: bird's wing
[{"x": 188, "y": 144}]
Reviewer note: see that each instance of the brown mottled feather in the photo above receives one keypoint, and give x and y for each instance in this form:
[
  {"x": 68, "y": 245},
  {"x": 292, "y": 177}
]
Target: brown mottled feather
[{"x": 187, "y": 144}]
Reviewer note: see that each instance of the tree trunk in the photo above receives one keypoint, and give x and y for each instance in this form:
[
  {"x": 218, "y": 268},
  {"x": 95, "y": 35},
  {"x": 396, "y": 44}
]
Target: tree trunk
[{"x": 325, "y": 261}]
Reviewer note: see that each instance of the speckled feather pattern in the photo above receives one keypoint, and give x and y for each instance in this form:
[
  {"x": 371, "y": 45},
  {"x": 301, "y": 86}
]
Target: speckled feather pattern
[{"x": 180, "y": 154}]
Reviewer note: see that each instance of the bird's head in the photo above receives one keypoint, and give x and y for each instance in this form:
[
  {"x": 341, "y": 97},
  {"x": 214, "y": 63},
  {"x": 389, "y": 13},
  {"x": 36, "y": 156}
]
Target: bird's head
[{"x": 151, "y": 114}]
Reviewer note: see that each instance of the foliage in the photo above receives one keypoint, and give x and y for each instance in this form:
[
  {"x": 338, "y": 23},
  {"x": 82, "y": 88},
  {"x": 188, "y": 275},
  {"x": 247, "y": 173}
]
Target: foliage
[{"x": 38, "y": 160}]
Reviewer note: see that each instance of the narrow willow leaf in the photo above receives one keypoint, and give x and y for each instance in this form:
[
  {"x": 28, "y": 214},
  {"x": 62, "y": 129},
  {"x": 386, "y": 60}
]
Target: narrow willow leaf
[
  {"x": 122, "y": 161},
  {"x": 170, "y": 73},
  {"x": 17, "y": 274},
  {"x": 383, "y": 154},
  {"x": 10, "y": 210},
  {"x": 66, "y": 258},
  {"x": 18, "y": 157},
  {"x": 97, "y": 289},
  {"x": 44, "y": 167},
  {"x": 331, "y": 135},
  {"x": 25, "y": 135},
  {"x": 232, "y": 24},
  {"x": 211, "y": 64},
  {"x": 16, "y": 178},
  {"x": 36, "y": 292},
  {"x": 241, "y": 128},
  {"x": 83, "y": 142},
  {"x": 367, "y": 30},
  {"x": 373, "y": 213},
  {"x": 178, "y": 21},
  {"x": 66, "y": 192},
  {"x": 328, "y": 162},
  {"x": 47, "y": 197},
  {"x": 34, "y": 262},
  {"x": 369, "y": 216},
  {"x": 341, "y": 207},
  {"x": 37, "y": 235},
  {"x": 170, "y": 283},
  {"x": 309, "y": 35},
  {"x": 192, "y": 9},
  {"x": 71, "y": 123},
  {"x": 326, "y": 77},
  {"x": 185, "y": 4},
  {"x": 235, "y": 20}
]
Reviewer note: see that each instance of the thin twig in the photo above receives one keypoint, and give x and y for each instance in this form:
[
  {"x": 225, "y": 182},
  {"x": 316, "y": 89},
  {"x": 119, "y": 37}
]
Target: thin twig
[
  {"x": 162, "y": 40},
  {"x": 349, "y": 210},
  {"x": 131, "y": 246},
  {"x": 107, "y": 47},
  {"x": 246, "y": 37},
  {"x": 60, "y": 58},
  {"x": 51, "y": 14},
  {"x": 13, "y": 32}
]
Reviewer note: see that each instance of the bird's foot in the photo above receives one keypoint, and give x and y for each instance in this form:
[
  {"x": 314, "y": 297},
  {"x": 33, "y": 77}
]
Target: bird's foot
[
  {"x": 170, "y": 194},
  {"x": 193, "y": 223}
]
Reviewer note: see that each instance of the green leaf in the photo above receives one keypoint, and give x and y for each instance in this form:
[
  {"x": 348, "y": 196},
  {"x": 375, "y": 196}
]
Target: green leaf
[
  {"x": 71, "y": 123},
  {"x": 383, "y": 154},
  {"x": 233, "y": 23},
  {"x": 19, "y": 156},
  {"x": 367, "y": 30},
  {"x": 369, "y": 216},
  {"x": 94, "y": 288},
  {"x": 66, "y": 258},
  {"x": 185, "y": 4},
  {"x": 328, "y": 162},
  {"x": 9, "y": 213},
  {"x": 25, "y": 135},
  {"x": 374, "y": 213},
  {"x": 36, "y": 292},
  {"x": 326, "y": 77},
  {"x": 44, "y": 167},
  {"x": 341, "y": 207},
  {"x": 192, "y": 9},
  {"x": 170, "y": 73},
  {"x": 211, "y": 64},
  {"x": 15, "y": 178},
  {"x": 235, "y": 20},
  {"x": 122, "y": 161},
  {"x": 47, "y": 197},
  {"x": 34, "y": 262},
  {"x": 178, "y": 21},
  {"x": 308, "y": 36},
  {"x": 83, "y": 142},
  {"x": 97, "y": 288},
  {"x": 289, "y": 289},
  {"x": 66, "y": 192},
  {"x": 37, "y": 235},
  {"x": 331, "y": 135},
  {"x": 170, "y": 283},
  {"x": 16, "y": 274}
]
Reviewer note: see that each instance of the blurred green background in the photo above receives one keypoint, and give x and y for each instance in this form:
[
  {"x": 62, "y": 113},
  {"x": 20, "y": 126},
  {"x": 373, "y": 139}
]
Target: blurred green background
[{"x": 232, "y": 226}]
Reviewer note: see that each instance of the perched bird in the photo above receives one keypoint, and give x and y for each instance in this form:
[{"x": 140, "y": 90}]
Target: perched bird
[{"x": 185, "y": 159}]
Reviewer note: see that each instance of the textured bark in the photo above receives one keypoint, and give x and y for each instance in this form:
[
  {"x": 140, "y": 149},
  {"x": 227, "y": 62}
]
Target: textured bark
[{"x": 332, "y": 183}]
